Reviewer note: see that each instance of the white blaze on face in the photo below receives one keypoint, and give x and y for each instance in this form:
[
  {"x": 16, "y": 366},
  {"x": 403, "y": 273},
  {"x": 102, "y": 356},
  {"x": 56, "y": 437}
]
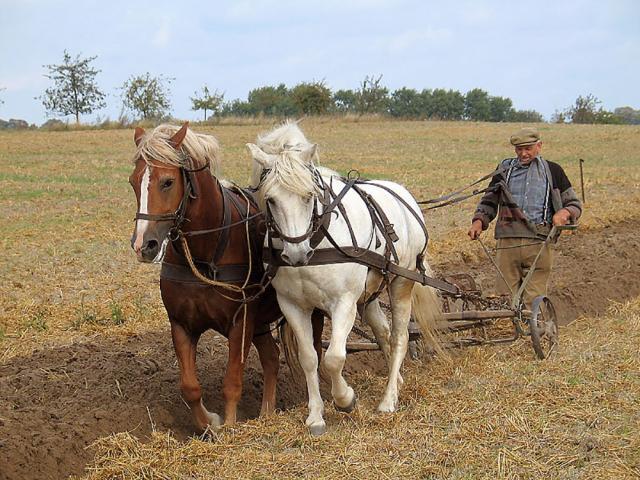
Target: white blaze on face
[{"x": 141, "y": 225}]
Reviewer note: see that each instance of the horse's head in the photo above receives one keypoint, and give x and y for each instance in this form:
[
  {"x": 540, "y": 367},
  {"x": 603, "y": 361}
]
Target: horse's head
[
  {"x": 288, "y": 191},
  {"x": 160, "y": 194}
]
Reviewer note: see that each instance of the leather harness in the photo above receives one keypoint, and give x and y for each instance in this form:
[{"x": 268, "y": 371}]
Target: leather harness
[
  {"x": 319, "y": 229},
  {"x": 231, "y": 198}
]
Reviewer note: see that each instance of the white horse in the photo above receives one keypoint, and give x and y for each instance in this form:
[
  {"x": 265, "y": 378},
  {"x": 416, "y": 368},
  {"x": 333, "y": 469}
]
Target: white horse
[{"x": 289, "y": 186}]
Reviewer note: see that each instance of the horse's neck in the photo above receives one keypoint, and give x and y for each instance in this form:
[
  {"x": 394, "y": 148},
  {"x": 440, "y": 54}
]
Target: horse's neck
[
  {"x": 358, "y": 216},
  {"x": 204, "y": 213}
]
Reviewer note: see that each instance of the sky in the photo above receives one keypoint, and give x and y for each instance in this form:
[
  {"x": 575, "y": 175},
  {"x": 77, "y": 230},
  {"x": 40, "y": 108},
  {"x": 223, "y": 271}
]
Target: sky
[{"x": 541, "y": 54}]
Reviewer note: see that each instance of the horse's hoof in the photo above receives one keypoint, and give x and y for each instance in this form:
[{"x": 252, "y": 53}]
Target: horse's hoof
[
  {"x": 349, "y": 408},
  {"x": 387, "y": 407},
  {"x": 214, "y": 419},
  {"x": 318, "y": 429}
]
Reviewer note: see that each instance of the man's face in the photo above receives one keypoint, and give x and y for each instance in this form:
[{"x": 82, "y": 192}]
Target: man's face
[{"x": 526, "y": 153}]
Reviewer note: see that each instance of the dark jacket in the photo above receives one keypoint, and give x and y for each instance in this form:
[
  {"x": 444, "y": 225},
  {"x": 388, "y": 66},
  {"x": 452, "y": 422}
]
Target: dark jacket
[{"x": 512, "y": 221}]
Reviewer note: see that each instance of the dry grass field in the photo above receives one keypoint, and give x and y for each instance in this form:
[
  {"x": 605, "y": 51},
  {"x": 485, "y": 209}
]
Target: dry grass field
[
  {"x": 69, "y": 278},
  {"x": 67, "y": 207},
  {"x": 484, "y": 416}
]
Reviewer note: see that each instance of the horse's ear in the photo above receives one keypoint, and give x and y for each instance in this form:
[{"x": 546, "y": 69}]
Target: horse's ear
[
  {"x": 310, "y": 152},
  {"x": 137, "y": 135},
  {"x": 178, "y": 137},
  {"x": 259, "y": 156}
]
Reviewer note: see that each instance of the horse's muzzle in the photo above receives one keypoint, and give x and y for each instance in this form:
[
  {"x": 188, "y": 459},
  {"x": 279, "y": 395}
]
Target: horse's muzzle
[
  {"x": 149, "y": 251},
  {"x": 297, "y": 259}
]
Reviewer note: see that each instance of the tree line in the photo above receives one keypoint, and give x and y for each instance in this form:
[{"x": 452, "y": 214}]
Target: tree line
[
  {"x": 315, "y": 98},
  {"x": 75, "y": 92}
]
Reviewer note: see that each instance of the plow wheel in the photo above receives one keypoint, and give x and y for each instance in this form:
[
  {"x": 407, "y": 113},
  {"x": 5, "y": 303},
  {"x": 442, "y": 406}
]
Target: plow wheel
[{"x": 543, "y": 326}]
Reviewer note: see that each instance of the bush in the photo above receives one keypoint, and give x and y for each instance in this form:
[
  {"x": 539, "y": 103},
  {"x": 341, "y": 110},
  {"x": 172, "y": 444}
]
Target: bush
[{"x": 311, "y": 98}]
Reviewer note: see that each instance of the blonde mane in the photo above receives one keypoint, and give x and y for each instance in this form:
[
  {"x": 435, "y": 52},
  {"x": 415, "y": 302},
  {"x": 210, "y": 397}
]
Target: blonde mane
[
  {"x": 281, "y": 138},
  {"x": 200, "y": 148},
  {"x": 290, "y": 170}
]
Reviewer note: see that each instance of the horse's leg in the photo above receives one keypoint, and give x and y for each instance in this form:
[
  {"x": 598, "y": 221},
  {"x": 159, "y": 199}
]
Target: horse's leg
[
  {"x": 185, "y": 346},
  {"x": 299, "y": 321},
  {"x": 377, "y": 320},
  {"x": 317, "y": 321},
  {"x": 269, "y": 354},
  {"x": 342, "y": 319},
  {"x": 400, "y": 291},
  {"x": 232, "y": 384}
]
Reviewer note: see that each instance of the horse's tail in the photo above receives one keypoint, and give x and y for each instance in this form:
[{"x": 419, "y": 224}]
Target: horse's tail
[
  {"x": 290, "y": 348},
  {"x": 426, "y": 309}
]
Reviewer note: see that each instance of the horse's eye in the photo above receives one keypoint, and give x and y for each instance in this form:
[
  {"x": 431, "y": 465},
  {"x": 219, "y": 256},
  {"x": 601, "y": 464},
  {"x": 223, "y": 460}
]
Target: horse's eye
[{"x": 166, "y": 184}]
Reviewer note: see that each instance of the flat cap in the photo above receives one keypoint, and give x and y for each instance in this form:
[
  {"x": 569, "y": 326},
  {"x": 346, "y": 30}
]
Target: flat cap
[{"x": 525, "y": 136}]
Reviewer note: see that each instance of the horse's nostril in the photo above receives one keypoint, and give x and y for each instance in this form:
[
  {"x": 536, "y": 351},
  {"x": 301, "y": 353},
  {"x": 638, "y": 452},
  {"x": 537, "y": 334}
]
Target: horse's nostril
[{"x": 150, "y": 248}]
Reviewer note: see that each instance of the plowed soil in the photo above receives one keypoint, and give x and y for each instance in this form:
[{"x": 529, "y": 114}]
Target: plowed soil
[{"x": 57, "y": 401}]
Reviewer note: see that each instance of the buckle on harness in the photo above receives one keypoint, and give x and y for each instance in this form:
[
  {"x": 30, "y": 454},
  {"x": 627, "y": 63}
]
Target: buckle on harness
[{"x": 174, "y": 234}]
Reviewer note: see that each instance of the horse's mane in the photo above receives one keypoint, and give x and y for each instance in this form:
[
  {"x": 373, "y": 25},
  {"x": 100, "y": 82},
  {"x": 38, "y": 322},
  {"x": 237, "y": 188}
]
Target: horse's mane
[
  {"x": 200, "y": 148},
  {"x": 280, "y": 138},
  {"x": 290, "y": 169}
]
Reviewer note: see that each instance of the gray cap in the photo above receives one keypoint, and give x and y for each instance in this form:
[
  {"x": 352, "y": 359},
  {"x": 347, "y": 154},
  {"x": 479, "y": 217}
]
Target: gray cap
[{"x": 525, "y": 136}]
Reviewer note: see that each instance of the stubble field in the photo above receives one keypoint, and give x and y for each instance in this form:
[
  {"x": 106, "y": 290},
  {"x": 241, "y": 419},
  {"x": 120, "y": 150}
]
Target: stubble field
[{"x": 85, "y": 350}]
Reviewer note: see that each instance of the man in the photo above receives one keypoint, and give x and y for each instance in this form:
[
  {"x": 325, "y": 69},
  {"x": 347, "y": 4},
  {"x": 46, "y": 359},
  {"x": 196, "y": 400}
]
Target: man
[{"x": 528, "y": 197}]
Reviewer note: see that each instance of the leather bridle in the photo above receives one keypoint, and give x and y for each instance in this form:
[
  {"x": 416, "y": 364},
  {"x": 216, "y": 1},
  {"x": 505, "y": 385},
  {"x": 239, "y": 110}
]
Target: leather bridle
[
  {"x": 178, "y": 217},
  {"x": 319, "y": 222}
]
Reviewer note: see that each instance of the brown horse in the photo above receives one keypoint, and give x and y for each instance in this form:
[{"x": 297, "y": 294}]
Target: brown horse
[{"x": 184, "y": 212}]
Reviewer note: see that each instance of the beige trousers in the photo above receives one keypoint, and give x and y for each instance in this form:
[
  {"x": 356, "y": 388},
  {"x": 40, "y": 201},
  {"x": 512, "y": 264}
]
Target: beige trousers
[{"x": 514, "y": 258}]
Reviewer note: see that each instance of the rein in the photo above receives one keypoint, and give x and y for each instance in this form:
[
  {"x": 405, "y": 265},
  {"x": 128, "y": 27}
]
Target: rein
[
  {"x": 177, "y": 234},
  {"x": 455, "y": 197}
]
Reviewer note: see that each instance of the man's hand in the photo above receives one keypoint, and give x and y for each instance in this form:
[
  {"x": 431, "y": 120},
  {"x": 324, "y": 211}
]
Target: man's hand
[
  {"x": 475, "y": 230},
  {"x": 561, "y": 217}
]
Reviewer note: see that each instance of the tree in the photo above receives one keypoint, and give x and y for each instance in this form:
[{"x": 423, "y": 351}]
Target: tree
[
  {"x": 372, "y": 97},
  {"x": 345, "y": 101},
  {"x": 75, "y": 90},
  {"x": 207, "y": 101},
  {"x": 311, "y": 98},
  {"x": 584, "y": 109},
  {"x": 525, "y": 116},
  {"x": 446, "y": 104},
  {"x": 558, "y": 117},
  {"x": 271, "y": 101},
  {"x": 147, "y": 95},
  {"x": 406, "y": 103},
  {"x": 237, "y": 108},
  {"x": 426, "y": 103},
  {"x": 500, "y": 108},
  {"x": 477, "y": 105},
  {"x": 628, "y": 115}
]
